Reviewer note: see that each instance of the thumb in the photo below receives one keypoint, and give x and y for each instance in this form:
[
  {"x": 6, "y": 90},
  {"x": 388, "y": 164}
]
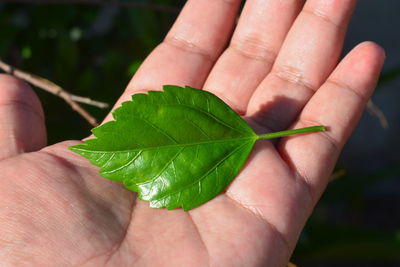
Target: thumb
[{"x": 22, "y": 127}]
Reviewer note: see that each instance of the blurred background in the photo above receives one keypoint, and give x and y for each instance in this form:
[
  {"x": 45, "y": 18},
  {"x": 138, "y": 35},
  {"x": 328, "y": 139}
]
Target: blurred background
[{"x": 93, "y": 49}]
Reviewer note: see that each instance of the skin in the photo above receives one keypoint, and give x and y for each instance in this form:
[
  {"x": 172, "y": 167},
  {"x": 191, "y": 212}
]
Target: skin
[{"x": 279, "y": 69}]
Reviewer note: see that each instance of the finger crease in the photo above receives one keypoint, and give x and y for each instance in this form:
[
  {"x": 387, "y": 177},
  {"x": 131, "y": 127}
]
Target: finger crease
[
  {"x": 294, "y": 76},
  {"x": 299, "y": 177},
  {"x": 348, "y": 88},
  {"x": 258, "y": 215},
  {"x": 124, "y": 236},
  {"x": 321, "y": 15},
  {"x": 201, "y": 238},
  {"x": 23, "y": 105},
  {"x": 304, "y": 180},
  {"x": 188, "y": 46},
  {"x": 253, "y": 49}
]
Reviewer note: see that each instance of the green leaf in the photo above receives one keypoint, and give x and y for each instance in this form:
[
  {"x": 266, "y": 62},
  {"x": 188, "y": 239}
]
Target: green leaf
[{"x": 176, "y": 148}]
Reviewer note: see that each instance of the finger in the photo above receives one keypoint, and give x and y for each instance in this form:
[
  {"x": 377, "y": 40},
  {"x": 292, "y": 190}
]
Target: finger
[
  {"x": 22, "y": 127},
  {"x": 190, "y": 48},
  {"x": 338, "y": 104},
  {"x": 308, "y": 56},
  {"x": 252, "y": 51}
]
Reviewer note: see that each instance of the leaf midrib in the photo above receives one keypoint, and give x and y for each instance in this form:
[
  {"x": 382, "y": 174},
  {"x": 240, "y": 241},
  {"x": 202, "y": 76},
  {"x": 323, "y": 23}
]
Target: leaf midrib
[{"x": 254, "y": 137}]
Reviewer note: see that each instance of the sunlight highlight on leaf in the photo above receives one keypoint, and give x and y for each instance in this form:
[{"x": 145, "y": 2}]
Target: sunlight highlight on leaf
[{"x": 177, "y": 148}]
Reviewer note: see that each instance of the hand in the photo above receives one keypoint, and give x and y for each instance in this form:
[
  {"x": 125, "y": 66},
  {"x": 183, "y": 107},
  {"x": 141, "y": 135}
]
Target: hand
[{"x": 280, "y": 70}]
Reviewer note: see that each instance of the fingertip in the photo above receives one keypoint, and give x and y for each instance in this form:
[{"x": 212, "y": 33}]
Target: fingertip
[
  {"x": 16, "y": 90},
  {"x": 22, "y": 127},
  {"x": 369, "y": 55},
  {"x": 9, "y": 82},
  {"x": 373, "y": 47},
  {"x": 361, "y": 67}
]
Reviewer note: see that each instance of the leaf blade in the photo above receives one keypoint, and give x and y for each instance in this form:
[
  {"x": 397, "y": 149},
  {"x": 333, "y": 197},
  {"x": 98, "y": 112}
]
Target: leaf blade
[{"x": 176, "y": 148}]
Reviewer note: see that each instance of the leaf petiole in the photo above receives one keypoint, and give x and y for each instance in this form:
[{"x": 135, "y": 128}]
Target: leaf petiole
[{"x": 292, "y": 132}]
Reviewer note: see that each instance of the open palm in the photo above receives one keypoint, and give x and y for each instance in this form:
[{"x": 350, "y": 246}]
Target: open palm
[{"x": 279, "y": 71}]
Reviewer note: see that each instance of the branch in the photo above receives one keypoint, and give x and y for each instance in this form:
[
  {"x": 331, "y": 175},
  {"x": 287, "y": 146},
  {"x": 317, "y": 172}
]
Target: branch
[
  {"x": 162, "y": 8},
  {"x": 377, "y": 112},
  {"x": 53, "y": 88},
  {"x": 88, "y": 101}
]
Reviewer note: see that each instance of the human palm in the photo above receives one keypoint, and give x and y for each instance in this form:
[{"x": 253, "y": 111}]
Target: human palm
[{"x": 55, "y": 210}]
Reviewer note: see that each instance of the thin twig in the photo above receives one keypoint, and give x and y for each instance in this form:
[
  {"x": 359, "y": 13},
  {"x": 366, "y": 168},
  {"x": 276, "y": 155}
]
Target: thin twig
[
  {"x": 162, "y": 8},
  {"x": 56, "y": 90},
  {"x": 88, "y": 101},
  {"x": 377, "y": 112}
]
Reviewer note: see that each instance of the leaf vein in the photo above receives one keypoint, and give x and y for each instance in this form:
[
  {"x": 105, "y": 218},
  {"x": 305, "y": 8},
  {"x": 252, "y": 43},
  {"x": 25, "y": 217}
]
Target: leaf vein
[
  {"x": 203, "y": 176},
  {"x": 159, "y": 130},
  {"x": 174, "y": 145},
  {"x": 109, "y": 160},
  {"x": 161, "y": 171},
  {"x": 198, "y": 127},
  {"x": 124, "y": 165},
  {"x": 210, "y": 115},
  {"x": 101, "y": 156}
]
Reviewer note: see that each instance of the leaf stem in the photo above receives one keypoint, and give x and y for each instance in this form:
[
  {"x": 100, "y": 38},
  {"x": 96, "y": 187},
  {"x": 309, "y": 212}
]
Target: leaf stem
[{"x": 311, "y": 129}]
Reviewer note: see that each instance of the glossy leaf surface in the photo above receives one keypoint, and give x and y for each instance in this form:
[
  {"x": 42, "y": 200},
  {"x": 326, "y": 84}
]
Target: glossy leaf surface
[{"x": 176, "y": 148}]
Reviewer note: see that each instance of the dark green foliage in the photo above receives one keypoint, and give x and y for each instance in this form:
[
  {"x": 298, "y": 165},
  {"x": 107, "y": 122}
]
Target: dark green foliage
[{"x": 88, "y": 50}]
